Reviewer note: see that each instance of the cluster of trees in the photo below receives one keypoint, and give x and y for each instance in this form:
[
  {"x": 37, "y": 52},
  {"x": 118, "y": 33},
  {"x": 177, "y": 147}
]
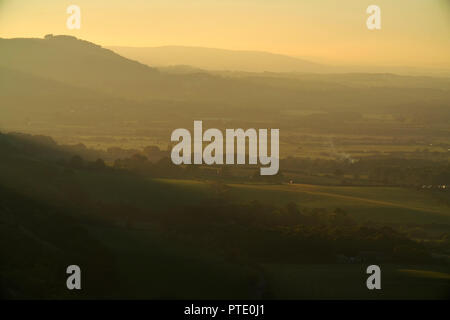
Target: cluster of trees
[
  {"x": 269, "y": 234},
  {"x": 77, "y": 162},
  {"x": 369, "y": 171},
  {"x": 151, "y": 161},
  {"x": 164, "y": 167},
  {"x": 376, "y": 170},
  {"x": 140, "y": 164}
]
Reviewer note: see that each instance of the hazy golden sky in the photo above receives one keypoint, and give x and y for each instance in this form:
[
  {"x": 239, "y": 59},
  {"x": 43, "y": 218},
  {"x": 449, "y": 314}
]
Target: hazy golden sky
[{"x": 414, "y": 32}]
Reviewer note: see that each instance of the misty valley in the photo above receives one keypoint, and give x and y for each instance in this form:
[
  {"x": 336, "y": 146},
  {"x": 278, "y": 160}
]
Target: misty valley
[{"x": 88, "y": 177}]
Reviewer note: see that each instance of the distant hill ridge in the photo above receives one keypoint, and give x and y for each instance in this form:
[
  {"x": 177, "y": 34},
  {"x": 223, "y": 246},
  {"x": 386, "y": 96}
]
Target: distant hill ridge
[
  {"x": 218, "y": 59},
  {"x": 75, "y": 62},
  {"x": 80, "y": 63},
  {"x": 67, "y": 81}
]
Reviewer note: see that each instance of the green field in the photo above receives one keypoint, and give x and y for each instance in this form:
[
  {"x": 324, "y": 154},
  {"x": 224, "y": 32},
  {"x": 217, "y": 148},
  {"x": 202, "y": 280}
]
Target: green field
[
  {"x": 348, "y": 281},
  {"x": 378, "y": 204}
]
